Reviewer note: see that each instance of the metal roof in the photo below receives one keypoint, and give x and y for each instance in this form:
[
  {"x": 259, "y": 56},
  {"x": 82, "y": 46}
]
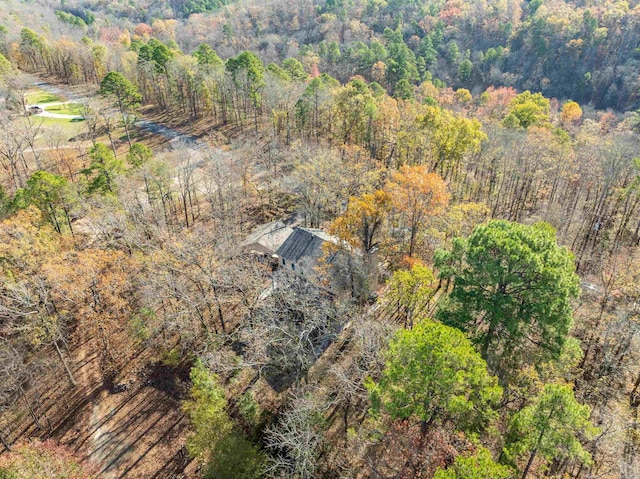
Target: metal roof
[{"x": 304, "y": 242}]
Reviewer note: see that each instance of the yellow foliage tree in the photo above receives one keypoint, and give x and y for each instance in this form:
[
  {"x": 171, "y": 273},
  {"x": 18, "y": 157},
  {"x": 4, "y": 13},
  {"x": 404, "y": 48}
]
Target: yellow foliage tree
[
  {"x": 416, "y": 196},
  {"x": 362, "y": 224},
  {"x": 571, "y": 113},
  {"x": 451, "y": 137}
]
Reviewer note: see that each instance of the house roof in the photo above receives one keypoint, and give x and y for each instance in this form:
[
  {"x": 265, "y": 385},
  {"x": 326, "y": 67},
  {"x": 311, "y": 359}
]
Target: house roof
[
  {"x": 268, "y": 237},
  {"x": 304, "y": 242}
]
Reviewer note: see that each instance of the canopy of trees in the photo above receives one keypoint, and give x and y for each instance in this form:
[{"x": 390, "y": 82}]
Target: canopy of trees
[{"x": 474, "y": 163}]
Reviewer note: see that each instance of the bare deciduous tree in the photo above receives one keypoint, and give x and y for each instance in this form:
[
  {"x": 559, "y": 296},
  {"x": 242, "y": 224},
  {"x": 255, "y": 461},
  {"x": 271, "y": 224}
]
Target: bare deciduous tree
[
  {"x": 297, "y": 439},
  {"x": 291, "y": 327}
]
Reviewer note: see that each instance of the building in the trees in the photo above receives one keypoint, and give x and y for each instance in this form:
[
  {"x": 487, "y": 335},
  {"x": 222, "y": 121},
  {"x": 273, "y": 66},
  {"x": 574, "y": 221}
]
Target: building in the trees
[
  {"x": 265, "y": 240},
  {"x": 289, "y": 246},
  {"x": 303, "y": 248}
]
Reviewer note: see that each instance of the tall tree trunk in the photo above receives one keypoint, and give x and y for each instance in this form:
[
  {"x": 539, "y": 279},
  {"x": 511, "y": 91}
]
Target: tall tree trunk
[
  {"x": 529, "y": 463},
  {"x": 65, "y": 364},
  {"x": 32, "y": 413},
  {"x": 5, "y": 443}
]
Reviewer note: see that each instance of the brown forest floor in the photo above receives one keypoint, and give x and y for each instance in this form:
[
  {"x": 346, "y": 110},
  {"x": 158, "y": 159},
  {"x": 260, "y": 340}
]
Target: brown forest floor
[{"x": 137, "y": 433}]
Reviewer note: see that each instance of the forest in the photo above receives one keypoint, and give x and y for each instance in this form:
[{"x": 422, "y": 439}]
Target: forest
[{"x": 319, "y": 239}]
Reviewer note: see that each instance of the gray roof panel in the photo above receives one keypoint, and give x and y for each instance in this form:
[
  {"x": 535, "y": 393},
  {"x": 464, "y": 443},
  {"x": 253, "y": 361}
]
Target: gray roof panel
[{"x": 303, "y": 242}]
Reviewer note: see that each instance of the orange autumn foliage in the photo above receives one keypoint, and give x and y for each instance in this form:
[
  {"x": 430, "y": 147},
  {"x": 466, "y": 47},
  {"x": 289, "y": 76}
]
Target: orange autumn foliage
[{"x": 416, "y": 195}]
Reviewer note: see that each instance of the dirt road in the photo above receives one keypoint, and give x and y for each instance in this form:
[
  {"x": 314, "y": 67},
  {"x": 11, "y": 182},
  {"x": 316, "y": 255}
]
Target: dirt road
[{"x": 153, "y": 127}]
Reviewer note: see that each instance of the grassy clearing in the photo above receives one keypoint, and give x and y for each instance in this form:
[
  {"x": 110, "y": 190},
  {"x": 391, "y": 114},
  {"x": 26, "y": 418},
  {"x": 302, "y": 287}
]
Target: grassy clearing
[
  {"x": 40, "y": 96},
  {"x": 58, "y": 121},
  {"x": 60, "y": 129},
  {"x": 65, "y": 109}
]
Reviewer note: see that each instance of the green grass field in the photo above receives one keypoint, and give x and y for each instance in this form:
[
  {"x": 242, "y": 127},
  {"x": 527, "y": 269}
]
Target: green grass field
[
  {"x": 67, "y": 124},
  {"x": 66, "y": 109},
  {"x": 40, "y": 96}
]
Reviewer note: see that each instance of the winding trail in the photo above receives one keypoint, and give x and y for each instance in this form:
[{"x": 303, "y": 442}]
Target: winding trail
[
  {"x": 167, "y": 132},
  {"x": 134, "y": 434}
]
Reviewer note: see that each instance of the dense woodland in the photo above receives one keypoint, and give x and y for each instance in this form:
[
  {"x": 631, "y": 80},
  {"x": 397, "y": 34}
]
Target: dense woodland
[{"x": 477, "y": 162}]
